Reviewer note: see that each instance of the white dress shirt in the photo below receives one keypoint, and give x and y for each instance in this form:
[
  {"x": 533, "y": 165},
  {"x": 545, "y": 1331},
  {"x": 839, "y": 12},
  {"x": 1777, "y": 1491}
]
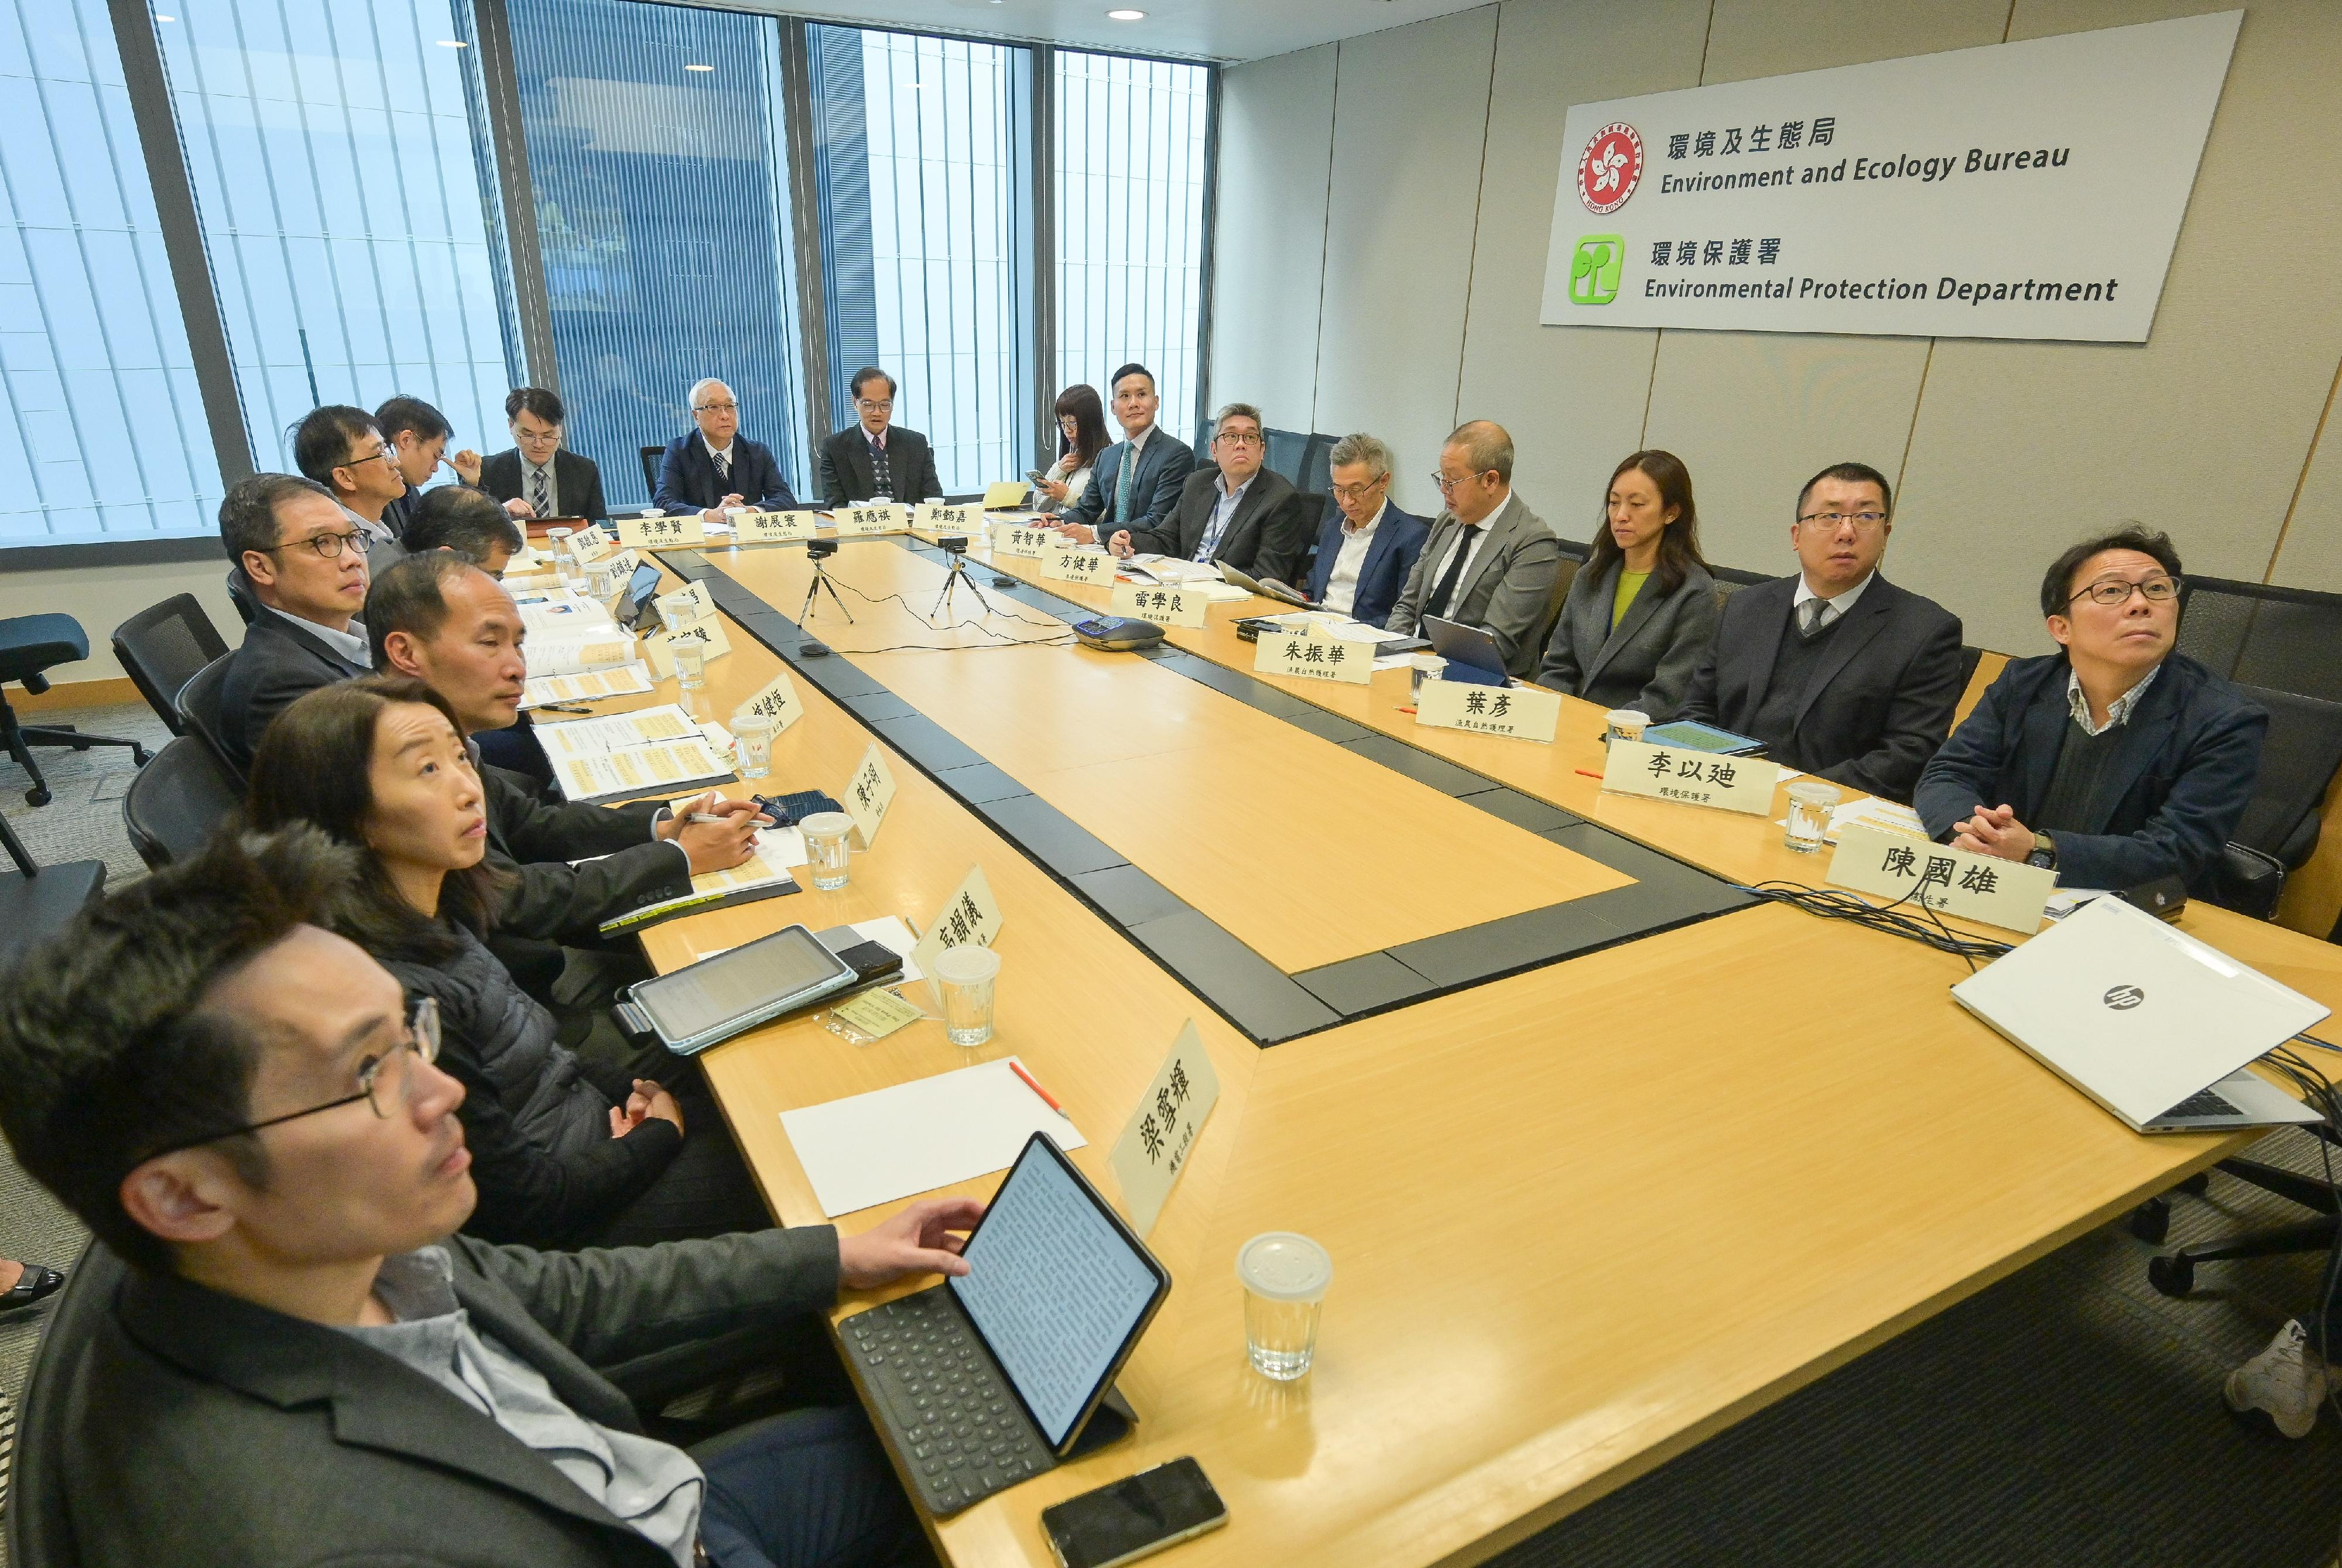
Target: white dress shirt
[
  {"x": 1470, "y": 540},
  {"x": 724, "y": 452},
  {"x": 529, "y": 472},
  {"x": 351, "y": 645},
  {"x": 1357, "y": 538},
  {"x": 1840, "y": 605}
]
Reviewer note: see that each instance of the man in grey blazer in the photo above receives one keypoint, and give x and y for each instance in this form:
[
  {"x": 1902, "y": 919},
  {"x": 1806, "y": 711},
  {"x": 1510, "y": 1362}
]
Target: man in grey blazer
[
  {"x": 1489, "y": 562},
  {"x": 1135, "y": 482},
  {"x": 302, "y": 1362},
  {"x": 1237, "y": 511}
]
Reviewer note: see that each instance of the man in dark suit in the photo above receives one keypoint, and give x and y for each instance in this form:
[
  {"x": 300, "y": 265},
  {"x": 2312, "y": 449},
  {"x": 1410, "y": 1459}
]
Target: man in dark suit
[
  {"x": 418, "y": 434},
  {"x": 537, "y": 478},
  {"x": 2113, "y": 762},
  {"x": 1837, "y": 670},
  {"x": 305, "y": 562},
  {"x": 1237, "y": 511},
  {"x": 1136, "y": 481},
  {"x": 1366, "y": 548},
  {"x": 874, "y": 456},
  {"x": 301, "y": 1361},
  {"x": 716, "y": 466},
  {"x": 1488, "y": 561},
  {"x": 343, "y": 449}
]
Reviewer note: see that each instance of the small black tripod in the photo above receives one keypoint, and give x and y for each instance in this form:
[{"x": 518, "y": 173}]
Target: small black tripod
[
  {"x": 821, "y": 584},
  {"x": 959, "y": 577}
]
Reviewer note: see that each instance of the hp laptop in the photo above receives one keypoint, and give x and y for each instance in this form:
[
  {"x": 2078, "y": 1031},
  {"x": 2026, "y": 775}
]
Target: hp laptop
[
  {"x": 999, "y": 1374},
  {"x": 2146, "y": 1020}
]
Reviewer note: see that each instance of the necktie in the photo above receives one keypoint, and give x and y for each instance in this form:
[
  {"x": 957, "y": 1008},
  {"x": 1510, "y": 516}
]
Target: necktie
[
  {"x": 538, "y": 500},
  {"x": 723, "y": 467},
  {"x": 1122, "y": 483},
  {"x": 878, "y": 470},
  {"x": 1437, "y": 604},
  {"x": 1811, "y": 615}
]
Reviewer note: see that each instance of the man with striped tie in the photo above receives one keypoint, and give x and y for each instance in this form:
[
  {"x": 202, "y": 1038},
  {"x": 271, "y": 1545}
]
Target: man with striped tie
[
  {"x": 548, "y": 481},
  {"x": 1136, "y": 484}
]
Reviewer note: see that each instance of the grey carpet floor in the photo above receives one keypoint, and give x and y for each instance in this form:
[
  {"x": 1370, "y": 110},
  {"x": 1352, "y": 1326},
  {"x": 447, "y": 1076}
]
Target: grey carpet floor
[{"x": 2068, "y": 1416}]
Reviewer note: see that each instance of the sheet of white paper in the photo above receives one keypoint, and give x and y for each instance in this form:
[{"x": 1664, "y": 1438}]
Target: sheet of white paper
[
  {"x": 1225, "y": 594},
  {"x": 1394, "y": 661},
  {"x": 915, "y": 1137},
  {"x": 626, "y": 680}
]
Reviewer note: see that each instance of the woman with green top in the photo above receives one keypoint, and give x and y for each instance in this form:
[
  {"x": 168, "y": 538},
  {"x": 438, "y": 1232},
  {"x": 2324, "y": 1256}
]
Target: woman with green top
[{"x": 1642, "y": 610}]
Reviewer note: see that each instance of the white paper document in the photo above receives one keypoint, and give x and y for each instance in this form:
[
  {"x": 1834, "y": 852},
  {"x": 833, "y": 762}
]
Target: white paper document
[
  {"x": 616, "y": 732},
  {"x": 624, "y": 681},
  {"x": 915, "y": 1137},
  {"x": 579, "y": 653},
  {"x": 636, "y": 771}
]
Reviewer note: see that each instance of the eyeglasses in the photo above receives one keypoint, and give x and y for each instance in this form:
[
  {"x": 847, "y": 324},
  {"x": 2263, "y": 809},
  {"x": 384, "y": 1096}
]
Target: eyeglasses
[
  {"x": 2155, "y": 591},
  {"x": 384, "y": 453},
  {"x": 1240, "y": 437},
  {"x": 1359, "y": 491},
  {"x": 871, "y": 406},
  {"x": 329, "y": 546},
  {"x": 1863, "y": 520},
  {"x": 383, "y": 1091},
  {"x": 718, "y": 408},
  {"x": 1447, "y": 485}
]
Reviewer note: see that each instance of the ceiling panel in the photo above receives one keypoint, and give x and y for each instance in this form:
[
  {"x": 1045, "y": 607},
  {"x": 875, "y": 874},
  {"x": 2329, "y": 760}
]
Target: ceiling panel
[{"x": 1198, "y": 29}]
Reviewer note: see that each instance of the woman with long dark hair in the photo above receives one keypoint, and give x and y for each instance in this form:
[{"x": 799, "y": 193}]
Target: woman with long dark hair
[
  {"x": 1081, "y": 432},
  {"x": 560, "y": 1159},
  {"x": 1642, "y": 611}
]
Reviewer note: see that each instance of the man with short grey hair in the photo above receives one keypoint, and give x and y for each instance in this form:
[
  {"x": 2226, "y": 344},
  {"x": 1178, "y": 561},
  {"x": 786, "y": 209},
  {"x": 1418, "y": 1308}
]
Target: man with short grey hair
[
  {"x": 716, "y": 466},
  {"x": 1366, "y": 548},
  {"x": 1490, "y": 561},
  {"x": 1237, "y": 511}
]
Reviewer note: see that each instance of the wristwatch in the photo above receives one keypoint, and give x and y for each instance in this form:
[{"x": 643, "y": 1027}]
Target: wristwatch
[{"x": 2044, "y": 852}]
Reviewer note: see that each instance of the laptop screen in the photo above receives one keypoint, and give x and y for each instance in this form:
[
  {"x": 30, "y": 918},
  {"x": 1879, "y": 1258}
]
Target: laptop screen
[{"x": 1057, "y": 1287}]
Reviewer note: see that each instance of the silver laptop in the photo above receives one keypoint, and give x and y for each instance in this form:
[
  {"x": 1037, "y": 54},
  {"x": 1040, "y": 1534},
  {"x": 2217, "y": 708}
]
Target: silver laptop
[{"x": 2146, "y": 1020}]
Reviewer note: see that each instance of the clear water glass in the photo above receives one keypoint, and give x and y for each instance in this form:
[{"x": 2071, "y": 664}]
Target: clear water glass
[
  {"x": 691, "y": 664},
  {"x": 755, "y": 734},
  {"x": 556, "y": 541},
  {"x": 1811, "y": 801},
  {"x": 1423, "y": 667},
  {"x": 968, "y": 977},
  {"x": 829, "y": 842},
  {"x": 1284, "y": 1277}
]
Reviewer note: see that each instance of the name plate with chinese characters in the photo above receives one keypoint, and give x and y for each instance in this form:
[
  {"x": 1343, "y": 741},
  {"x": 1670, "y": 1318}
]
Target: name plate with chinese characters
[
  {"x": 1515, "y": 710},
  {"x": 946, "y": 519},
  {"x": 854, "y": 520},
  {"x": 1310, "y": 658},
  {"x": 1022, "y": 539},
  {"x": 1166, "y": 606},
  {"x": 688, "y": 604},
  {"x": 1076, "y": 563},
  {"x": 773, "y": 527},
  {"x": 1153, "y": 1148},
  {"x": 868, "y": 796},
  {"x": 589, "y": 545},
  {"x": 776, "y": 700},
  {"x": 662, "y": 533},
  {"x": 2008, "y": 893},
  {"x": 706, "y": 635},
  {"x": 1696, "y": 778},
  {"x": 971, "y": 914}
]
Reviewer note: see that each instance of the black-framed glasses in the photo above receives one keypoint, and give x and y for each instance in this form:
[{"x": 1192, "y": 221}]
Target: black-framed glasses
[
  {"x": 1863, "y": 520},
  {"x": 384, "y": 453},
  {"x": 1240, "y": 437},
  {"x": 1359, "y": 491},
  {"x": 328, "y": 545},
  {"x": 383, "y": 1090},
  {"x": 1447, "y": 485},
  {"x": 2113, "y": 593}
]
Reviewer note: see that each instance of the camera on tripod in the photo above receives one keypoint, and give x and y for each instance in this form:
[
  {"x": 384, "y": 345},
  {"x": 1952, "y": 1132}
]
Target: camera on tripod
[
  {"x": 821, "y": 549},
  {"x": 954, "y": 543}
]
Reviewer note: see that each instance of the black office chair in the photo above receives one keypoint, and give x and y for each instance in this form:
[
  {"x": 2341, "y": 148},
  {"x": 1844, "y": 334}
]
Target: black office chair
[
  {"x": 40, "y": 1534},
  {"x": 1310, "y": 510},
  {"x": 2252, "y": 632},
  {"x": 37, "y": 899},
  {"x": 1730, "y": 580},
  {"x": 652, "y": 457},
  {"x": 1576, "y": 550},
  {"x": 201, "y": 710},
  {"x": 2278, "y": 832},
  {"x": 30, "y": 646},
  {"x": 1286, "y": 450},
  {"x": 1969, "y": 659},
  {"x": 179, "y": 801},
  {"x": 239, "y": 593},
  {"x": 1318, "y": 463},
  {"x": 163, "y": 647},
  {"x": 1550, "y": 616}
]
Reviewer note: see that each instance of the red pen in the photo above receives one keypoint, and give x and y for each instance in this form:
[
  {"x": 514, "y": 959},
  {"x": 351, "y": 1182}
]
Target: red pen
[
  {"x": 1589, "y": 772},
  {"x": 1050, "y": 1100}
]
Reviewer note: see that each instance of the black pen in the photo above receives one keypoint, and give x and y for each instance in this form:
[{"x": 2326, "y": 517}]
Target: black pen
[{"x": 557, "y": 708}]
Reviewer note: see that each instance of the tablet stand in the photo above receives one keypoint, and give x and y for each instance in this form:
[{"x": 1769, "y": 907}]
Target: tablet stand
[{"x": 1111, "y": 1422}]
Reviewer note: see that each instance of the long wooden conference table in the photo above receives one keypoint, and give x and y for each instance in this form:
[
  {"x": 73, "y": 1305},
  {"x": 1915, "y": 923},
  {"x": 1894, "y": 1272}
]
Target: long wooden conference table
[{"x": 1607, "y": 1156}]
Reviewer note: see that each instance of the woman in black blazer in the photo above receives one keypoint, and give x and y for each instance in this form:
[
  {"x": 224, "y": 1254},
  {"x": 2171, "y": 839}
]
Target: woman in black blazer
[{"x": 1642, "y": 610}]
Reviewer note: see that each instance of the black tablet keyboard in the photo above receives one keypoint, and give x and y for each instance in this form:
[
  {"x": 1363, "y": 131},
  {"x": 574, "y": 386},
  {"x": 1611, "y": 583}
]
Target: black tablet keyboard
[{"x": 948, "y": 1406}]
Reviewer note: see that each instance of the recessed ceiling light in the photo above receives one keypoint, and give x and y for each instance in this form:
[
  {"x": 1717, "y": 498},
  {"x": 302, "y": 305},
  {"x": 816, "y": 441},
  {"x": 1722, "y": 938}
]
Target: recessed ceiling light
[
  {"x": 1125, "y": 15},
  {"x": 699, "y": 67},
  {"x": 453, "y": 44}
]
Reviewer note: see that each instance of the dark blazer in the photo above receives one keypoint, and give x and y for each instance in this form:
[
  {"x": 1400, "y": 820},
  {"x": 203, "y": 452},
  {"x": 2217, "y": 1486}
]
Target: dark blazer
[
  {"x": 1398, "y": 540},
  {"x": 554, "y": 901},
  {"x": 211, "y": 1433},
  {"x": 2181, "y": 777},
  {"x": 688, "y": 481},
  {"x": 1164, "y": 464},
  {"x": 1881, "y": 700},
  {"x": 1647, "y": 663},
  {"x": 578, "y": 480},
  {"x": 277, "y": 663},
  {"x": 847, "y": 474},
  {"x": 1266, "y": 537},
  {"x": 398, "y": 513},
  {"x": 1512, "y": 579}
]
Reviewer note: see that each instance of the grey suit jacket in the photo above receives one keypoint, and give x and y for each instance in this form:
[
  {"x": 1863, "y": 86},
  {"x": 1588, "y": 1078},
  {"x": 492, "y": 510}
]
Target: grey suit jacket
[
  {"x": 208, "y": 1430},
  {"x": 1266, "y": 537},
  {"x": 1646, "y": 662},
  {"x": 1505, "y": 596}
]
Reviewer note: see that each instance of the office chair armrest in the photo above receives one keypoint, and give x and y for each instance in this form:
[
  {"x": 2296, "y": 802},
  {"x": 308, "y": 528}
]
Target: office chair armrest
[{"x": 2248, "y": 882}]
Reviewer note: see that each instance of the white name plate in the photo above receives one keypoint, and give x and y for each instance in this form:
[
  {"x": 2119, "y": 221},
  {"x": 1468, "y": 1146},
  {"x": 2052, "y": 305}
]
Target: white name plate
[
  {"x": 970, "y": 916},
  {"x": 1311, "y": 658},
  {"x": 1022, "y": 539},
  {"x": 776, "y": 700},
  {"x": 2008, "y": 893},
  {"x": 662, "y": 533},
  {"x": 706, "y": 635},
  {"x": 1515, "y": 710},
  {"x": 946, "y": 519},
  {"x": 1697, "y": 778},
  {"x": 589, "y": 545},
  {"x": 857, "y": 519},
  {"x": 1153, "y": 1147},
  {"x": 773, "y": 527},
  {"x": 688, "y": 604},
  {"x": 1166, "y": 606},
  {"x": 868, "y": 796},
  {"x": 1076, "y": 563}
]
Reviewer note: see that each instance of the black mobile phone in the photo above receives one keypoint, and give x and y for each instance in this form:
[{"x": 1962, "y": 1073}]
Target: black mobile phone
[{"x": 1133, "y": 1517}]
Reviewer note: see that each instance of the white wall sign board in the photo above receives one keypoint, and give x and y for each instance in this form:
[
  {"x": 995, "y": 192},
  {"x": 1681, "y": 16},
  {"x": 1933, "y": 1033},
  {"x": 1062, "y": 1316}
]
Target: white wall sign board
[{"x": 2026, "y": 190}]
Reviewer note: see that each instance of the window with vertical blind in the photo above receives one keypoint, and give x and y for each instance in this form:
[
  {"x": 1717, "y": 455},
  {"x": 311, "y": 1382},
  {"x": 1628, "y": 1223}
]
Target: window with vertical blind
[
  {"x": 1131, "y": 177},
  {"x": 102, "y": 431}
]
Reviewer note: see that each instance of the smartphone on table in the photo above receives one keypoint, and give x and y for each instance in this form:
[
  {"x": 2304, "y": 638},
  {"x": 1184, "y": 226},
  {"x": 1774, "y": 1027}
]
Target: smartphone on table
[{"x": 1133, "y": 1517}]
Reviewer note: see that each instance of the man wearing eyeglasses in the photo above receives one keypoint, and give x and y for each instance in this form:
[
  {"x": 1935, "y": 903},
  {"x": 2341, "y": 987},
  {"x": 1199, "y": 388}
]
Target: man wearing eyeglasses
[
  {"x": 1136, "y": 481},
  {"x": 283, "y": 1351},
  {"x": 1837, "y": 670},
  {"x": 1489, "y": 561},
  {"x": 2115, "y": 761},
  {"x": 1366, "y": 546},
  {"x": 1237, "y": 511},
  {"x": 874, "y": 456},
  {"x": 716, "y": 466},
  {"x": 342, "y": 448},
  {"x": 305, "y": 562}
]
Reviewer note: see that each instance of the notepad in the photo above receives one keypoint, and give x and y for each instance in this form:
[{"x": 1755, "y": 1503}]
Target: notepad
[{"x": 915, "y": 1137}]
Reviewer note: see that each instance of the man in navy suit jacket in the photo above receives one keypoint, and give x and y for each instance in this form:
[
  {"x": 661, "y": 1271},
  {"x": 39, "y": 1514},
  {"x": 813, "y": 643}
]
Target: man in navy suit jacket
[
  {"x": 716, "y": 466},
  {"x": 1111, "y": 510},
  {"x": 1365, "y": 546}
]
